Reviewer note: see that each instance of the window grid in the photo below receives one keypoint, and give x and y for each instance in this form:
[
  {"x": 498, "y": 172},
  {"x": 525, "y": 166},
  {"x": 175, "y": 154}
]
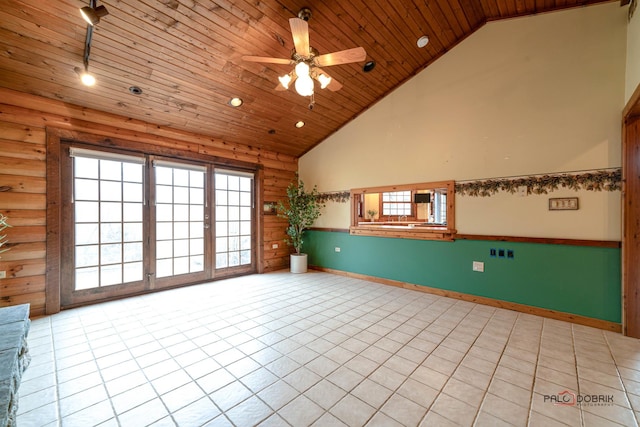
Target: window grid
[
  {"x": 396, "y": 203},
  {"x": 108, "y": 206}
]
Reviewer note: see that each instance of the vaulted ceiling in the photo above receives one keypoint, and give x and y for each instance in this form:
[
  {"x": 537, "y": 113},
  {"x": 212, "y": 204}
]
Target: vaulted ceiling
[{"x": 186, "y": 56}]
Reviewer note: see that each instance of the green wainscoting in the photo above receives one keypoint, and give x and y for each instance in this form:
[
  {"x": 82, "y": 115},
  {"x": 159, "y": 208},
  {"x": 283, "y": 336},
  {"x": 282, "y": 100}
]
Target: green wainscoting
[{"x": 580, "y": 280}]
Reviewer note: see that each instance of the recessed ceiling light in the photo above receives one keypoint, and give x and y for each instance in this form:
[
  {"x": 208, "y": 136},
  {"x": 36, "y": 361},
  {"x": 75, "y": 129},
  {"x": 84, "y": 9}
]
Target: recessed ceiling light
[
  {"x": 135, "y": 90},
  {"x": 368, "y": 66},
  {"x": 235, "y": 102},
  {"x": 299, "y": 124},
  {"x": 423, "y": 41}
]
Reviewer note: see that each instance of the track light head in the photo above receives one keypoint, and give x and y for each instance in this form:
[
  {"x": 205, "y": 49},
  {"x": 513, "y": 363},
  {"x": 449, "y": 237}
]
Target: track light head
[
  {"x": 86, "y": 78},
  {"x": 93, "y": 15}
]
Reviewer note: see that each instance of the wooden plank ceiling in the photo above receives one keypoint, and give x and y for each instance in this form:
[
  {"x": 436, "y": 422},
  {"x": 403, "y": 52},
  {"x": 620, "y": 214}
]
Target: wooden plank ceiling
[{"x": 185, "y": 55}]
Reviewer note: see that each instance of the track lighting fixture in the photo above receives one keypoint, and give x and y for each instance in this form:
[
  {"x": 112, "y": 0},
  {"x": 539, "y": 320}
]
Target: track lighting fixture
[
  {"x": 92, "y": 14},
  {"x": 86, "y": 78}
]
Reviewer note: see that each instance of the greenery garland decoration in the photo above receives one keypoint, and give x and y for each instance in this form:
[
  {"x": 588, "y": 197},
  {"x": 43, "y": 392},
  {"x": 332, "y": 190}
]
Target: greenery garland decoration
[
  {"x": 602, "y": 180},
  {"x": 336, "y": 197}
]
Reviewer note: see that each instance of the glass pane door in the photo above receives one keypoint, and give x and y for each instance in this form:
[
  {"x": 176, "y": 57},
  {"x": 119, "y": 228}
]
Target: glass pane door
[
  {"x": 179, "y": 220},
  {"x": 234, "y": 221},
  {"x": 134, "y": 223}
]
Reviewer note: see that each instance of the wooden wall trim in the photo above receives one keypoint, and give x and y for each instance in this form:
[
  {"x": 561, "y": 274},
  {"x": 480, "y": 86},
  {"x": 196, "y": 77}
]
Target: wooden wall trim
[
  {"x": 333, "y": 230},
  {"x": 631, "y": 228},
  {"x": 542, "y": 240},
  {"x": 522, "y": 308},
  {"x": 53, "y": 215},
  {"x": 632, "y": 109}
]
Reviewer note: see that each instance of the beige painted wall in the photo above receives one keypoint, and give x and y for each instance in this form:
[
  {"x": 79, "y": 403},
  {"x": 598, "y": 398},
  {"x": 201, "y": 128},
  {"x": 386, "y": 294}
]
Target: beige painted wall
[
  {"x": 532, "y": 95},
  {"x": 633, "y": 55}
]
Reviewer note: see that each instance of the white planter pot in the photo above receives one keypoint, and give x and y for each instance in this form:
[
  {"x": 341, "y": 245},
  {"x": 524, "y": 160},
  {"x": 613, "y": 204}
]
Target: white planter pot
[{"x": 298, "y": 263}]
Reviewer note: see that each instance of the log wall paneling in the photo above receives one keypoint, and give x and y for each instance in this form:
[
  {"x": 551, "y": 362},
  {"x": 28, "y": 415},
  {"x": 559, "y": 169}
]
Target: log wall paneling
[
  {"x": 22, "y": 170},
  {"x": 24, "y": 130}
]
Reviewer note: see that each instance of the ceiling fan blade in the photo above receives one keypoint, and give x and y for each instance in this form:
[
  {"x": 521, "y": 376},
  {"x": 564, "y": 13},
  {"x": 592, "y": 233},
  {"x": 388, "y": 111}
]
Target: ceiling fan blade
[
  {"x": 334, "y": 85},
  {"x": 300, "y": 33},
  {"x": 267, "y": 60},
  {"x": 356, "y": 54}
]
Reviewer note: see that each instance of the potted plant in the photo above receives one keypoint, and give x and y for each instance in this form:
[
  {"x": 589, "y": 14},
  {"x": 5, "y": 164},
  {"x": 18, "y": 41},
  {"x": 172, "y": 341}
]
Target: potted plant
[
  {"x": 3, "y": 225},
  {"x": 302, "y": 209},
  {"x": 371, "y": 213}
]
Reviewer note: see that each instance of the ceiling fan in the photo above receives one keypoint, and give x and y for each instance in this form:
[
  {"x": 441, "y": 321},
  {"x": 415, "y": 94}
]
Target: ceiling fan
[{"x": 307, "y": 61}]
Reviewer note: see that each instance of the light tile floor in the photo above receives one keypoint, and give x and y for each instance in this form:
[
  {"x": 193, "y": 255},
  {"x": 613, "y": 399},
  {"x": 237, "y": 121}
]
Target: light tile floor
[{"x": 324, "y": 350}]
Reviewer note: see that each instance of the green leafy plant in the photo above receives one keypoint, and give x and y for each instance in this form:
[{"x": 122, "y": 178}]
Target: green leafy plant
[
  {"x": 3, "y": 237},
  {"x": 372, "y": 213},
  {"x": 301, "y": 210}
]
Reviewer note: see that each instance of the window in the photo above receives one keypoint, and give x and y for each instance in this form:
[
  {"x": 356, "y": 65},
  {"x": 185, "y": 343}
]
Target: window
[
  {"x": 415, "y": 211},
  {"x": 108, "y": 205},
  {"x": 396, "y": 203},
  {"x": 440, "y": 211}
]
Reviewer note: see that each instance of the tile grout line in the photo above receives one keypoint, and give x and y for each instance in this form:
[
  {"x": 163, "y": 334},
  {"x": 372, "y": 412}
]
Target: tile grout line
[{"x": 486, "y": 390}]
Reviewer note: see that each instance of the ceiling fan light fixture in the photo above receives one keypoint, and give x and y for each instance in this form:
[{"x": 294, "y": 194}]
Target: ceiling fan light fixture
[
  {"x": 93, "y": 15},
  {"x": 285, "y": 80},
  {"x": 324, "y": 80},
  {"x": 304, "y": 85},
  {"x": 302, "y": 69},
  {"x": 307, "y": 60}
]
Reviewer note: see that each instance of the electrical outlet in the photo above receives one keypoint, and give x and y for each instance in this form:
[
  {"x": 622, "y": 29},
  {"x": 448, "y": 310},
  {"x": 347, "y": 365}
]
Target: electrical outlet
[
  {"x": 337, "y": 249},
  {"x": 478, "y": 266},
  {"x": 510, "y": 254},
  {"x": 500, "y": 253},
  {"x": 3, "y": 274},
  {"x": 492, "y": 253},
  {"x": 274, "y": 246}
]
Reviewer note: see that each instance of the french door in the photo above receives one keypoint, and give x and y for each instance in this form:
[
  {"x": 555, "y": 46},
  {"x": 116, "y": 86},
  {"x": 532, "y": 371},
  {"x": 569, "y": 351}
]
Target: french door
[
  {"x": 135, "y": 223},
  {"x": 234, "y": 222}
]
